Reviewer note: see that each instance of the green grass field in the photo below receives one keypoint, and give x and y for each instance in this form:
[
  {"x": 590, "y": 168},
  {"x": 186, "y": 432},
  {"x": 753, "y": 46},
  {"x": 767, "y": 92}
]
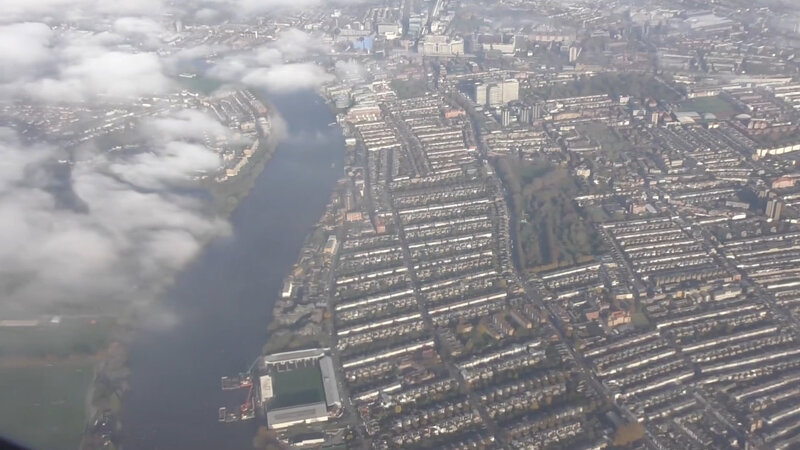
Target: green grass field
[
  {"x": 409, "y": 88},
  {"x": 70, "y": 337},
  {"x": 45, "y": 372},
  {"x": 713, "y": 105},
  {"x": 297, "y": 387},
  {"x": 43, "y": 407},
  {"x": 639, "y": 320}
]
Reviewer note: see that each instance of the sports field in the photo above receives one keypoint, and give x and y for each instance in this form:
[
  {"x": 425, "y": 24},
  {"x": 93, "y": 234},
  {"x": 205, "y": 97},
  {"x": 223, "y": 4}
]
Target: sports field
[
  {"x": 297, "y": 387},
  {"x": 714, "y": 105}
]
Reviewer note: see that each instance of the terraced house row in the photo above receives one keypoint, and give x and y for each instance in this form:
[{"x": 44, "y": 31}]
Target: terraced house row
[{"x": 437, "y": 340}]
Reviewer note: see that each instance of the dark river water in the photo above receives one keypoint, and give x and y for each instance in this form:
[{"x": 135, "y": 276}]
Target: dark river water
[{"x": 224, "y": 299}]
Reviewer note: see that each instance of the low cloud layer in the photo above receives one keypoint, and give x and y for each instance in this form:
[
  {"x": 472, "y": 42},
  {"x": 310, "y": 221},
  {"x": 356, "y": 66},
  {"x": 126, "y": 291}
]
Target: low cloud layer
[
  {"x": 349, "y": 69},
  {"x": 126, "y": 230},
  {"x": 277, "y": 66},
  {"x": 94, "y": 10},
  {"x": 287, "y": 77},
  {"x": 111, "y": 228},
  {"x": 41, "y": 64}
]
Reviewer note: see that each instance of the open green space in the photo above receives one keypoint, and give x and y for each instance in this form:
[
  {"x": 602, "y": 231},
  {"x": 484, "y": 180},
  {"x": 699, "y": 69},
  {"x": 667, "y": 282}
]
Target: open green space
[
  {"x": 607, "y": 137},
  {"x": 43, "y": 407},
  {"x": 552, "y": 231},
  {"x": 408, "y": 88},
  {"x": 639, "y": 320},
  {"x": 715, "y": 105},
  {"x": 638, "y": 85},
  {"x": 297, "y": 387},
  {"x": 70, "y": 337}
]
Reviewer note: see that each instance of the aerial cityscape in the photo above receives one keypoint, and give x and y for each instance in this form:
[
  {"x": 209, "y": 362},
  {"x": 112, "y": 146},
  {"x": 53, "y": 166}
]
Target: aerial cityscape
[{"x": 391, "y": 224}]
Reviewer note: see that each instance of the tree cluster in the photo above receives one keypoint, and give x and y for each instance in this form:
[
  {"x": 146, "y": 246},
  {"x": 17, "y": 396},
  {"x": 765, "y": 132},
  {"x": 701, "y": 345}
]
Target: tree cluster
[{"x": 551, "y": 230}]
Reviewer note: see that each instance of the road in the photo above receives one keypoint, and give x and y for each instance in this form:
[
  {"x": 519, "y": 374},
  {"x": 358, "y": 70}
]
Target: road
[
  {"x": 534, "y": 293},
  {"x": 537, "y": 295},
  {"x": 349, "y": 416},
  {"x": 431, "y": 327}
]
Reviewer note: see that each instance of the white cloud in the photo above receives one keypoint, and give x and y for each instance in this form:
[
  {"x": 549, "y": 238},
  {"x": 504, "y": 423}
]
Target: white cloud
[
  {"x": 128, "y": 230},
  {"x": 349, "y": 69},
  {"x": 295, "y": 44},
  {"x": 276, "y": 67},
  {"x": 114, "y": 75},
  {"x": 206, "y": 11},
  {"x": 24, "y": 47},
  {"x": 141, "y": 30},
  {"x": 76, "y": 66},
  {"x": 230, "y": 68},
  {"x": 249, "y": 7},
  {"x": 288, "y": 77},
  {"x": 184, "y": 124},
  {"x": 77, "y": 10},
  {"x": 166, "y": 166},
  {"x": 133, "y": 232}
]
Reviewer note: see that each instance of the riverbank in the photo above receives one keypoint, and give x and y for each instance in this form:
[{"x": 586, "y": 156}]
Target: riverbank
[
  {"x": 224, "y": 298},
  {"x": 230, "y": 193},
  {"x": 110, "y": 382}
]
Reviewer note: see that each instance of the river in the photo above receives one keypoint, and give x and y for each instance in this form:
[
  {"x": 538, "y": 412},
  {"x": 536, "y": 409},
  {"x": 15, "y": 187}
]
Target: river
[{"x": 223, "y": 300}]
